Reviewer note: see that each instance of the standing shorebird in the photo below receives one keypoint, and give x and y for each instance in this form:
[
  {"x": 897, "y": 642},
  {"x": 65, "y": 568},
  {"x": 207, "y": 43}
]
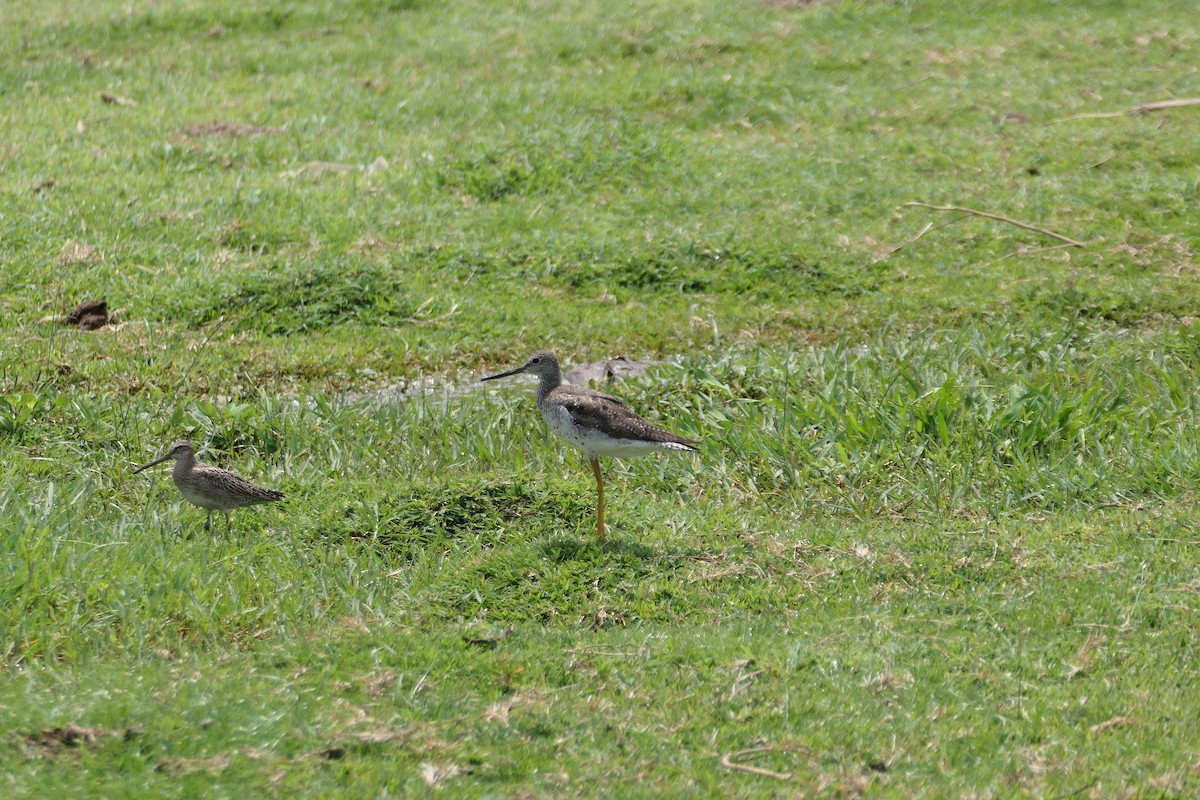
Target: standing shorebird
[
  {"x": 596, "y": 423},
  {"x": 211, "y": 488}
]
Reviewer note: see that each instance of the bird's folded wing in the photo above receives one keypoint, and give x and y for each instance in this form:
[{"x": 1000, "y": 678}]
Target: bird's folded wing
[{"x": 609, "y": 416}]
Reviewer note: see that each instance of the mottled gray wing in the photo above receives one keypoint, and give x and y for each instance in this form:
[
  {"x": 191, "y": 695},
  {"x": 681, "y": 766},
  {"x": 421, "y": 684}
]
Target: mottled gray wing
[
  {"x": 579, "y": 391},
  {"x": 233, "y": 490},
  {"x": 610, "y": 416}
]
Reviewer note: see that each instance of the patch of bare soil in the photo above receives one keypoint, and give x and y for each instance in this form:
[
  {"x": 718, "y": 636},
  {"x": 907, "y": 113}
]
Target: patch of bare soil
[
  {"x": 54, "y": 741},
  {"x": 79, "y": 253},
  {"x": 614, "y": 369},
  {"x": 220, "y": 128}
]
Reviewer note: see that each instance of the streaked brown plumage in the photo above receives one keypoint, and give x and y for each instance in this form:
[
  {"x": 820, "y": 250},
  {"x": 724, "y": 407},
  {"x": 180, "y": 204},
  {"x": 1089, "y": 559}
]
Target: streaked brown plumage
[
  {"x": 211, "y": 488},
  {"x": 596, "y": 423}
]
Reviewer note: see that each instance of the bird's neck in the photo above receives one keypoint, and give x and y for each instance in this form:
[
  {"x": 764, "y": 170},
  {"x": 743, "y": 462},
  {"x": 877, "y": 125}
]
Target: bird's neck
[
  {"x": 183, "y": 465},
  {"x": 548, "y": 382}
]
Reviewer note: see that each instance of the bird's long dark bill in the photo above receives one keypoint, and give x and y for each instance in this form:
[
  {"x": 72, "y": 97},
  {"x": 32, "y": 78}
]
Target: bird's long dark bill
[
  {"x": 503, "y": 374},
  {"x": 152, "y": 463}
]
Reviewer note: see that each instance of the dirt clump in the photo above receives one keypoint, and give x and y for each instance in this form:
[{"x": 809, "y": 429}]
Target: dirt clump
[{"x": 89, "y": 315}]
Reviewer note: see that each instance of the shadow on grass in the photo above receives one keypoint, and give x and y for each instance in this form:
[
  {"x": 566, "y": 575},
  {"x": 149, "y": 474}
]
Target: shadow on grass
[
  {"x": 562, "y": 549},
  {"x": 451, "y": 516}
]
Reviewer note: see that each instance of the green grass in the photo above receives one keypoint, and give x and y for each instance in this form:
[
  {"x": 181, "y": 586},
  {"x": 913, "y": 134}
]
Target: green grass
[{"x": 939, "y": 540}]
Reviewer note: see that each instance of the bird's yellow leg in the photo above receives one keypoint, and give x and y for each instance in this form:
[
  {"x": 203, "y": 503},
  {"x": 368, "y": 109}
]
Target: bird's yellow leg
[{"x": 600, "y": 499}]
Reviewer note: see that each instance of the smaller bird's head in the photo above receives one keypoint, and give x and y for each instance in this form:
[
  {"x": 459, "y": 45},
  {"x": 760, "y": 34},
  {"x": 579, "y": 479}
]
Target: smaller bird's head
[
  {"x": 541, "y": 363},
  {"x": 181, "y": 449}
]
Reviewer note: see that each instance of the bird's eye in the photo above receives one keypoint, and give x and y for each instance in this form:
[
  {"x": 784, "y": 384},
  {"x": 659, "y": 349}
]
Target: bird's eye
[{"x": 535, "y": 361}]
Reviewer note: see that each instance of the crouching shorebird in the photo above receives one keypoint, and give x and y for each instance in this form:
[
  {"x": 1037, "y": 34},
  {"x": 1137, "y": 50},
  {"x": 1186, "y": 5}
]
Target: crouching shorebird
[
  {"x": 596, "y": 423},
  {"x": 211, "y": 488}
]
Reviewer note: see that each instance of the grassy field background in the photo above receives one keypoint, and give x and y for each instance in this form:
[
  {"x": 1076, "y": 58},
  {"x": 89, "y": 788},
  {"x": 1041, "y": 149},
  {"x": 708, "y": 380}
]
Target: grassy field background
[{"x": 940, "y": 539}]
